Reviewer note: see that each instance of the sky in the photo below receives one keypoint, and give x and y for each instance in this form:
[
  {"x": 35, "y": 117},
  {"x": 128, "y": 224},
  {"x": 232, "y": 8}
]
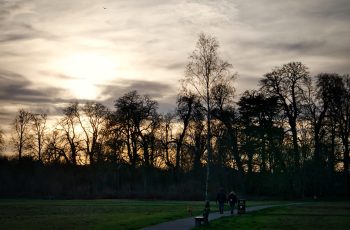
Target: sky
[{"x": 53, "y": 52}]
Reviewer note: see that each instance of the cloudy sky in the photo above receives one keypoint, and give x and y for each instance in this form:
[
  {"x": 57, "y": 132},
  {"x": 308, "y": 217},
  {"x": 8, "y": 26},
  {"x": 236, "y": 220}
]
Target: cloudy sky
[{"x": 56, "y": 51}]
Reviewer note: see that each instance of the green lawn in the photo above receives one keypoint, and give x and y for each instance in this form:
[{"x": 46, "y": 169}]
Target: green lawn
[
  {"x": 90, "y": 214},
  {"x": 94, "y": 214},
  {"x": 312, "y": 215}
]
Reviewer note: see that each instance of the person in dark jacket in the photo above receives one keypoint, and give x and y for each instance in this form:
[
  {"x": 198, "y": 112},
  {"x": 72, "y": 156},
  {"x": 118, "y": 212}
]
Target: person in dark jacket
[
  {"x": 206, "y": 212},
  {"x": 221, "y": 199},
  {"x": 232, "y": 199}
]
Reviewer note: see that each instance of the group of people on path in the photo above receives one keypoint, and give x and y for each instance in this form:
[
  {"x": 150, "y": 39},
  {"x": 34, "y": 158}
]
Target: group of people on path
[{"x": 222, "y": 199}]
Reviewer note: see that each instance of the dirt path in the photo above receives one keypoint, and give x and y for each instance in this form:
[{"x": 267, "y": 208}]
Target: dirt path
[{"x": 188, "y": 223}]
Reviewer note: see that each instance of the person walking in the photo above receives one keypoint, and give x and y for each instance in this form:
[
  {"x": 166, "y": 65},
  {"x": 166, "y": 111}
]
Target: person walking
[
  {"x": 221, "y": 199},
  {"x": 206, "y": 212},
  {"x": 232, "y": 199}
]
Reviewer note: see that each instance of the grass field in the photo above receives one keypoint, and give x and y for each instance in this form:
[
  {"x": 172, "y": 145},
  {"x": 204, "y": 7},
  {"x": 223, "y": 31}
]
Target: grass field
[
  {"x": 132, "y": 214},
  {"x": 312, "y": 215},
  {"x": 89, "y": 214},
  {"x": 94, "y": 214}
]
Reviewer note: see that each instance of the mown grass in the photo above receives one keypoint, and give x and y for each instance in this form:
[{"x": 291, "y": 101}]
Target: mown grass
[
  {"x": 312, "y": 215},
  {"x": 90, "y": 214},
  {"x": 95, "y": 214}
]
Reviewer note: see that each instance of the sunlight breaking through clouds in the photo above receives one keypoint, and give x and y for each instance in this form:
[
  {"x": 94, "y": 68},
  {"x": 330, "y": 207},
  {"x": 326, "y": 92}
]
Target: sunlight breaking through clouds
[{"x": 66, "y": 50}]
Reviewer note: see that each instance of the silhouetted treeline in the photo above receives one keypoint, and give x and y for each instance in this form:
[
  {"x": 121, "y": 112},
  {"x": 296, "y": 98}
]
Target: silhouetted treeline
[
  {"x": 133, "y": 151},
  {"x": 289, "y": 138}
]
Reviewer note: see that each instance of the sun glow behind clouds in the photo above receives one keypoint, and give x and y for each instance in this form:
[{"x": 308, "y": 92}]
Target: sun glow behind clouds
[{"x": 86, "y": 71}]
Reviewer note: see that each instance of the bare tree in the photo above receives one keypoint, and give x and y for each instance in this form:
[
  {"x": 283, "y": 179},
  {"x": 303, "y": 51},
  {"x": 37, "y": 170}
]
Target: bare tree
[
  {"x": 289, "y": 84},
  {"x": 39, "y": 128},
  {"x": 197, "y": 138},
  {"x": 224, "y": 111},
  {"x": 68, "y": 126},
  {"x": 341, "y": 112},
  {"x": 204, "y": 71},
  {"x": 95, "y": 115},
  {"x": 318, "y": 102},
  {"x": 22, "y": 138},
  {"x": 127, "y": 117},
  {"x": 166, "y": 138},
  {"x": 114, "y": 140},
  {"x": 54, "y": 151},
  {"x": 2, "y": 141},
  {"x": 185, "y": 110},
  {"x": 139, "y": 118}
]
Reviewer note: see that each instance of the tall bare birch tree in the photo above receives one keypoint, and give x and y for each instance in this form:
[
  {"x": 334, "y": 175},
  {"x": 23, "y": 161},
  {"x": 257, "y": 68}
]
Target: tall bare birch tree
[{"x": 204, "y": 71}]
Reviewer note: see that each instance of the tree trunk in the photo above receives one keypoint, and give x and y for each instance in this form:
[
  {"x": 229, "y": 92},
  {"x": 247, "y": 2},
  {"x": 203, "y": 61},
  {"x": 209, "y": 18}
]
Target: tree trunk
[{"x": 208, "y": 154}]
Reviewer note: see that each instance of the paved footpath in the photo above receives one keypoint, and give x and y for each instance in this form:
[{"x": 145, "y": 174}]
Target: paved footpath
[{"x": 188, "y": 223}]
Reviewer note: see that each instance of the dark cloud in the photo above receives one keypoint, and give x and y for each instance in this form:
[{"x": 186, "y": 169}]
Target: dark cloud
[
  {"x": 150, "y": 88},
  {"x": 300, "y": 47},
  {"x": 15, "y": 37},
  {"x": 16, "y": 91},
  {"x": 9, "y": 54},
  {"x": 163, "y": 93},
  {"x": 15, "y": 26},
  {"x": 15, "y": 88},
  {"x": 153, "y": 89},
  {"x": 168, "y": 105},
  {"x": 176, "y": 65},
  {"x": 328, "y": 9},
  {"x": 5, "y": 115},
  {"x": 59, "y": 75},
  {"x": 297, "y": 23},
  {"x": 6, "y": 119},
  {"x": 7, "y": 7},
  {"x": 276, "y": 12}
]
